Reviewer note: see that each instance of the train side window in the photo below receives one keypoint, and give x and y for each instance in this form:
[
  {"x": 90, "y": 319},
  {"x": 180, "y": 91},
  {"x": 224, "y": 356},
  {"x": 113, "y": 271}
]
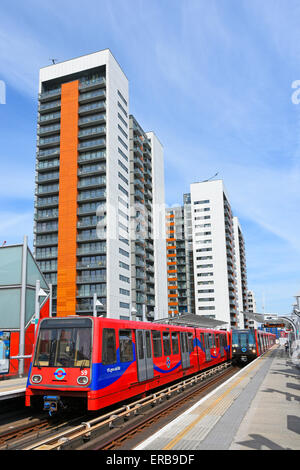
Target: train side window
[
  {"x": 156, "y": 338},
  {"x": 140, "y": 345},
  {"x": 148, "y": 345},
  {"x": 210, "y": 341},
  {"x": 217, "y": 341},
  {"x": 202, "y": 341},
  {"x": 190, "y": 342},
  {"x": 109, "y": 355},
  {"x": 175, "y": 347},
  {"x": 166, "y": 343},
  {"x": 125, "y": 342}
]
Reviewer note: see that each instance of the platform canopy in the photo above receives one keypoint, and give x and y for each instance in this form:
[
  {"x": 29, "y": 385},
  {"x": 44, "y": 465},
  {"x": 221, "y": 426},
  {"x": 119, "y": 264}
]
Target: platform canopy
[
  {"x": 193, "y": 320},
  {"x": 267, "y": 318}
]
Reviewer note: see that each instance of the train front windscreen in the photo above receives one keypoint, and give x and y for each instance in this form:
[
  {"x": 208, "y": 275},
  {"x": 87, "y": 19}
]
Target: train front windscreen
[
  {"x": 243, "y": 339},
  {"x": 64, "y": 343}
]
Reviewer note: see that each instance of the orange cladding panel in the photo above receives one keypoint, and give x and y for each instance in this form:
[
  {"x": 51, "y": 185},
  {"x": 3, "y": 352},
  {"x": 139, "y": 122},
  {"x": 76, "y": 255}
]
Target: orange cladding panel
[{"x": 67, "y": 212}]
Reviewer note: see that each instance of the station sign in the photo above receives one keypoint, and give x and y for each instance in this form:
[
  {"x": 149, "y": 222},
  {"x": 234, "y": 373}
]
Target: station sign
[{"x": 274, "y": 325}]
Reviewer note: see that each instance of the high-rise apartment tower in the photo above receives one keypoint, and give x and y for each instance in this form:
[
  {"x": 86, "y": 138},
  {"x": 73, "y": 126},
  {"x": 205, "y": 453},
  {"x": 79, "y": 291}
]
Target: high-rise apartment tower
[{"x": 83, "y": 195}]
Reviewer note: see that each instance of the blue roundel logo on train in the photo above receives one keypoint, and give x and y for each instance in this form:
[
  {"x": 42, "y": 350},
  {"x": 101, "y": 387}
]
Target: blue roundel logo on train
[
  {"x": 60, "y": 373},
  {"x": 168, "y": 362},
  {"x": 244, "y": 349}
]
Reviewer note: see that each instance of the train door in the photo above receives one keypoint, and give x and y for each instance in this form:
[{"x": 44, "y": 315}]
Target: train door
[
  {"x": 220, "y": 344},
  {"x": 185, "y": 356},
  {"x": 144, "y": 358},
  {"x": 207, "y": 347}
]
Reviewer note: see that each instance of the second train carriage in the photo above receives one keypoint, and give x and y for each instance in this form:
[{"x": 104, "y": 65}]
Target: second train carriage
[
  {"x": 99, "y": 361},
  {"x": 249, "y": 344}
]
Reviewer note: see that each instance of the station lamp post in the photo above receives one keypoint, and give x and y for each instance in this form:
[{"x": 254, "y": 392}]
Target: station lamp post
[{"x": 96, "y": 303}]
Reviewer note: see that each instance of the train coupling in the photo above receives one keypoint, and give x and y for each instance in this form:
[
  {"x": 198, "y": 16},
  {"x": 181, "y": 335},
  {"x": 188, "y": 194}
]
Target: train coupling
[{"x": 52, "y": 404}]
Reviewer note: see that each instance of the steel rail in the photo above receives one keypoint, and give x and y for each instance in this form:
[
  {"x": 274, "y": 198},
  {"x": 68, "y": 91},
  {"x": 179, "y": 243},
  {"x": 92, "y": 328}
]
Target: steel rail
[{"x": 85, "y": 429}]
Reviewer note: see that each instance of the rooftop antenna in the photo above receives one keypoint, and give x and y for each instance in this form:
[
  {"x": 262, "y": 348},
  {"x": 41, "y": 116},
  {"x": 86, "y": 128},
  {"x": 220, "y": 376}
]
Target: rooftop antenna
[
  {"x": 204, "y": 181},
  {"x": 53, "y": 61}
]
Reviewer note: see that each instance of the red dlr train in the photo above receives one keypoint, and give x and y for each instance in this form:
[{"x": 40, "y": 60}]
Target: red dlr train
[{"x": 96, "y": 362}]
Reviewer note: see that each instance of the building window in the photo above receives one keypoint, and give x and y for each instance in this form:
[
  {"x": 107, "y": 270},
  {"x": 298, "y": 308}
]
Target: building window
[
  {"x": 124, "y": 291},
  {"x": 122, "y": 97},
  {"x": 123, "y": 143},
  {"x": 124, "y": 279},
  {"x": 123, "y": 265},
  {"x": 206, "y": 201},
  {"x": 123, "y": 252},
  {"x": 124, "y": 305},
  {"x": 123, "y": 190},
  {"x": 123, "y": 178},
  {"x": 122, "y": 109},
  {"x": 123, "y": 154}
]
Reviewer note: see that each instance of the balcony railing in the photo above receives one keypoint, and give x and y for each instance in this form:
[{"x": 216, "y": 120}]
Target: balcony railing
[
  {"x": 51, "y": 105},
  {"x": 90, "y": 108},
  {"x": 91, "y": 95},
  {"x": 92, "y": 131},
  {"x": 92, "y": 144},
  {"x": 93, "y": 119},
  {"x": 92, "y": 83}
]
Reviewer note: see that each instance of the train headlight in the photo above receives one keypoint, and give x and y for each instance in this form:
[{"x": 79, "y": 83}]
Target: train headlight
[
  {"x": 82, "y": 380},
  {"x": 254, "y": 350},
  {"x": 36, "y": 379},
  {"x": 234, "y": 350}
]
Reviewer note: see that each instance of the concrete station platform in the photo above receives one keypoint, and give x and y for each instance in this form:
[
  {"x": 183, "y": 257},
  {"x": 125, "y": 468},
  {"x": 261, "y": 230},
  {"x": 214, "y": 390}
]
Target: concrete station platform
[
  {"x": 12, "y": 388},
  {"x": 257, "y": 409}
]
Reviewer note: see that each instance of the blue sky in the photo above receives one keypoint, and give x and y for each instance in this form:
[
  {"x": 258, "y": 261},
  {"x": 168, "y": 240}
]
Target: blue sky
[{"x": 213, "y": 79}]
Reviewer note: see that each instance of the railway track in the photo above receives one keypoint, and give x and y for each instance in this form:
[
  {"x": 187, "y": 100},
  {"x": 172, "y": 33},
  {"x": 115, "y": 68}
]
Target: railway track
[{"x": 124, "y": 425}]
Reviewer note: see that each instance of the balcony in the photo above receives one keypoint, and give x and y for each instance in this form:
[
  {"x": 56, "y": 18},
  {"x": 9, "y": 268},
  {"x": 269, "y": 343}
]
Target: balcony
[
  {"x": 47, "y": 228},
  {"x": 137, "y": 170},
  {"x": 47, "y": 202},
  {"x": 92, "y": 108},
  {"x": 50, "y": 95},
  {"x": 91, "y": 144},
  {"x": 48, "y": 141},
  {"x": 46, "y": 130},
  {"x": 46, "y": 165},
  {"x": 92, "y": 156},
  {"x": 48, "y": 189},
  {"x": 86, "y": 265},
  {"x": 49, "y": 118},
  {"x": 92, "y": 132},
  {"x": 49, "y": 106},
  {"x": 91, "y": 96},
  {"x": 91, "y": 279},
  {"x": 93, "y": 195},
  {"x": 46, "y": 177},
  {"x": 92, "y": 182},
  {"x": 40, "y": 255},
  {"x": 90, "y": 223},
  {"x": 91, "y": 250},
  {"x": 138, "y": 194},
  {"x": 92, "y": 84},
  {"x": 92, "y": 169},
  {"x": 46, "y": 241},
  {"x": 51, "y": 152},
  {"x": 138, "y": 150},
  {"x": 94, "y": 119},
  {"x": 46, "y": 215}
]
